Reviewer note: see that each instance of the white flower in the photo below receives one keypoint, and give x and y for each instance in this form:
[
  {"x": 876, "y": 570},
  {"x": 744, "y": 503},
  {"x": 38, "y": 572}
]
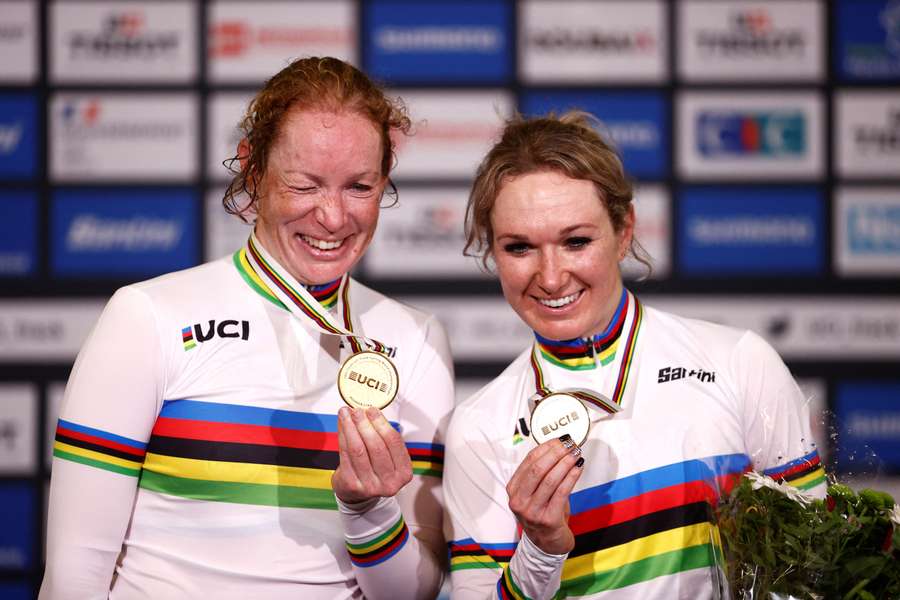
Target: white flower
[
  {"x": 759, "y": 480},
  {"x": 895, "y": 515}
]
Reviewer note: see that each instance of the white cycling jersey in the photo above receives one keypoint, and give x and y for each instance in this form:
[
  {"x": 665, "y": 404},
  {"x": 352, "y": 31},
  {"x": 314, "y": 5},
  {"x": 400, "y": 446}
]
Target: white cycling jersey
[
  {"x": 197, "y": 439},
  {"x": 700, "y": 405}
]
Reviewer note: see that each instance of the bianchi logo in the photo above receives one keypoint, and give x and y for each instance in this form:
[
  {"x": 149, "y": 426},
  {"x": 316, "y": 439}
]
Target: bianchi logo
[
  {"x": 124, "y": 35},
  {"x": 441, "y": 39},
  {"x": 229, "y": 328},
  {"x": 89, "y": 233},
  {"x": 752, "y": 34},
  {"x": 675, "y": 373},
  {"x": 618, "y": 42}
]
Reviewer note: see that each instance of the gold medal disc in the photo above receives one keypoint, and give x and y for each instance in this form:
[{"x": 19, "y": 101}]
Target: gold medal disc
[
  {"x": 557, "y": 414},
  {"x": 368, "y": 379}
]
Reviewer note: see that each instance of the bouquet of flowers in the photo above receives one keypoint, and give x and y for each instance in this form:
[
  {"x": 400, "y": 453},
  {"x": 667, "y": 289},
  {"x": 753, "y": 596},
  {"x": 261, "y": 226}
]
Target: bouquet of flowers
[{"x": 779, "y": 543}]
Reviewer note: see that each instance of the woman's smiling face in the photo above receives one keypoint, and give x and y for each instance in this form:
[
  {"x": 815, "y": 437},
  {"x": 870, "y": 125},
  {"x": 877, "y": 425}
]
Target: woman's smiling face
[{"x": 557, "y": 253}]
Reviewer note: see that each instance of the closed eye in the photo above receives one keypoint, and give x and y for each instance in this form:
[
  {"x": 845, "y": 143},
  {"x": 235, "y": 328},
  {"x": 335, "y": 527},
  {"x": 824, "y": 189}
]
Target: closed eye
[
  {"x": 516, "y": 248},
  {"x": 577, "y": 242}
]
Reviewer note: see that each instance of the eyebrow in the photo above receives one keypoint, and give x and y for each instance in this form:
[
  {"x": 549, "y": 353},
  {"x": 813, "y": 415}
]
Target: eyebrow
[{"x": 564, "y": 232}]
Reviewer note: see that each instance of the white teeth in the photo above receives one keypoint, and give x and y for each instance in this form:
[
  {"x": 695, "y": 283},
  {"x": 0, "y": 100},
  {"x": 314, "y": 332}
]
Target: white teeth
[
  {"x": 321, "y": 244},
  {"x": 557, "y": 302}
]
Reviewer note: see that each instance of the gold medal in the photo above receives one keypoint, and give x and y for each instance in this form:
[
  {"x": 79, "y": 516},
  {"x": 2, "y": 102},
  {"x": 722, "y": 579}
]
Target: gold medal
[
  {"x": 559, "y": 413},
  {"x": 368, "y": 379}
]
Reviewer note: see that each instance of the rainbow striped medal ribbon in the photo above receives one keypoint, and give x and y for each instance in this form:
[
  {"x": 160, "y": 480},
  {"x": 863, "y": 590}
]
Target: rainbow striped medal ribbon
[
  {"x": 554, "y": 413},
  {"x": 367, "y": 377}
]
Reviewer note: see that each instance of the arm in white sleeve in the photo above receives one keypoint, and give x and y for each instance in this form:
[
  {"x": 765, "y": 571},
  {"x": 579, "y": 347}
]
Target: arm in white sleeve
[
  {"x": 777, "y": 433},
  {"x": 110, "y": 405},
  {"x": 396, "y": 545},
  {"x": 485, "y": 555}
]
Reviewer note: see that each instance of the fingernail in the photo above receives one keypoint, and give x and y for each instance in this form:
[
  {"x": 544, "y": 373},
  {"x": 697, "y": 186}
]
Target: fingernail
[
  {"x": 565, "y": 438},
  {"x": 575, "y": 450},
  {"x": 579, "y": 462},
  {"x": 372, "y": 413}
]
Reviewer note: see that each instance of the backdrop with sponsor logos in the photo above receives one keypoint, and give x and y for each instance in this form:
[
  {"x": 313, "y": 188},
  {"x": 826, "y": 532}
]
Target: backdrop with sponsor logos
[{"x": 764, "y": 137}]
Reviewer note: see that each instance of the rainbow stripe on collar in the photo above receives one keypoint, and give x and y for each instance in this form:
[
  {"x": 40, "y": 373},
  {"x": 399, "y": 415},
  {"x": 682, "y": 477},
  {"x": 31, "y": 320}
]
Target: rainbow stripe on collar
[
  {"x": 579, "y": 354},
  {"x": 327, "y": 294}
]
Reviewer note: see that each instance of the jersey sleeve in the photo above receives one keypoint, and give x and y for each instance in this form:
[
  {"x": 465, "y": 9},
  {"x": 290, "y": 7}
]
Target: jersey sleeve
[
  {"x": 397, "y": 546},
  {"x": 108, "y": 411},
  {"x": 777, "y": 433},
  {"x": 487, "y": 557}
]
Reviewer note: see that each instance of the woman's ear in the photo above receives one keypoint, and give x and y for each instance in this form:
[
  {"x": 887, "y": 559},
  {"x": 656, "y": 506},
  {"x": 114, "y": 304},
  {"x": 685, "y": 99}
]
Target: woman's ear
[
  {"x": 627, "y": 232},
  {"x": 243, "y": 152}
]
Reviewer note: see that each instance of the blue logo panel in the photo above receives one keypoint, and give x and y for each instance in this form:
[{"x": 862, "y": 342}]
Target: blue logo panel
[
  {"x": 16, "y": 591},
  {"x": 868, "y": 421},
  {"x": 18, "y": 234},
  {"x": 742, "y": 134},
  {"x": 438, "y": 41},
  {"x": 638, "y": 124},
  {"x": 123, "y": 233},
  {"x": 17, "y": 535},
  {"x": 867, "y": 40},
  {"x": 765, "y": 230},
  {"x": 18, "y": 136}
]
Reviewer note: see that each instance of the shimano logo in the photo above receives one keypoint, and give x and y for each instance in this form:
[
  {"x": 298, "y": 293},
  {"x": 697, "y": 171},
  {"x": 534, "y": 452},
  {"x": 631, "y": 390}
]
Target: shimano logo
[
  {"x": 874, "y": 229},
  {"x": 9, "y": 137},
  {"x": 883, "y": 140},
  {"x": 90, "y": 233},
  {"x": 442, "y": 39},
  {"x": 874, "y": 425},
  {"x": 675, "y": 373},
  {"x": 618, "y": 42},
  {"x": 752, "y": 230}
]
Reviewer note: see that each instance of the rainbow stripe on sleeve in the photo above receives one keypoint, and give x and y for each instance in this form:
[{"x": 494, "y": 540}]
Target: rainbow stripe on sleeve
[
  {"x": 507, "y": 588},
  {"x": 804, "y": 473},
  {"x": 98, "y": 448},
  {"x": 469, "y": 554},
  {"x": 650, "y": 524},
  {"x": 380, "y": 549},
  {"x": 427, "y": 459}
]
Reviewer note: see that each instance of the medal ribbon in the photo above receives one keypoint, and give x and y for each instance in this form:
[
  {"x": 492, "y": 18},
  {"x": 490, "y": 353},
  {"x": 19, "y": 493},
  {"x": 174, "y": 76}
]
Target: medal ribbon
[
  {"x": 614, "y": 404},
  {"x": 301, "y": 303}
]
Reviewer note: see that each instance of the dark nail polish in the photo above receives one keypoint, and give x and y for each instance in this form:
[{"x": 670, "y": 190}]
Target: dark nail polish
[
  {"x": 580, "y": 461},
  {"x": 565, "y": 438}
]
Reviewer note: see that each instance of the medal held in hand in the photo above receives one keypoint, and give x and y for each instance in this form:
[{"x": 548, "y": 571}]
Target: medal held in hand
[
  {"x": 559, "y": 413},
  {"x": 368, "y": 379}
]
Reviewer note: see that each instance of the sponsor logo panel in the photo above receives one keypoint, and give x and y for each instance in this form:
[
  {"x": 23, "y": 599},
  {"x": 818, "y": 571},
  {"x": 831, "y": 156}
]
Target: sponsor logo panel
[
  {"x": 423, "y": 236},
  {"x": 867, "y": 134},
  {"x": 35, "y": 331},
  {"x": 867, "y": 231},
  {"x": 18, "y": 425},
  {"x": 120, "y": 232},
  {"x": 225, "y": 110},
  {"x": 148, "y": 137},
  {"x": 438, "y": 41},
  {"x": 637, "y": 123},
  {"x": 868, "y": 416},
  {"x": 740, "y": 135},
  {"x": 762, "y": 40},
  {"x": 807, "y": 328},
  {"x": 480, "y": 328},
  {"x": 652, "y": 230},
  {"x": 55, "y": 392},
  {"x": 867, "y": 40},
  {"x": 575, "y": 42},
  {"x": 115, "y": 42},
  {"x": 18, "y": 234},
  {"x": 16, "y": 591},
  {"x": 767, "y": 230},
  {"x": 250, "y": 42},
  {"x": 18, "y": 135},
  {"x": 17, "y": 534},
  {"x": 453, "y": 132},
  {"x": 225, "y": 233},
  {"x": 18, "y": 42}
]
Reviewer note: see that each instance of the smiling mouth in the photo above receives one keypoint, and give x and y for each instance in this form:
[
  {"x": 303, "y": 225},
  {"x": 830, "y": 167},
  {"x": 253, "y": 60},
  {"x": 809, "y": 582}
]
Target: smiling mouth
[
  {"x": 321, "y": 244},
  {"x": 559, "y": 302}
]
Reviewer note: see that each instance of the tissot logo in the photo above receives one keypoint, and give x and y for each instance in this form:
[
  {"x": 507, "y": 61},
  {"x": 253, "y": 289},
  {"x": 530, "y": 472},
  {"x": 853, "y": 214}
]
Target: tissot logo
[
  {"x": 200, "y": 332},
  {"x": 617, "y": 42},
  {"x": 764, "y": 133},
  {"x": 880, "y": 139},
  {"x": 752, "y": 33},
  {"x": 675, "y": 373},
  {"x": 123, "y": 35}
]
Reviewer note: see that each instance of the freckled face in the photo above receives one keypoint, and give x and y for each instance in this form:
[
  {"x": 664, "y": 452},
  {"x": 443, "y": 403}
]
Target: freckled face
[
  {"x": 318, "y": 201},
  {"x": 557, "y": 254}
]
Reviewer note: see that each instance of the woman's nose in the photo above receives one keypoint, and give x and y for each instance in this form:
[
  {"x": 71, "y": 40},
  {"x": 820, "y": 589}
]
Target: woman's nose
[
  {"x": 551, "y": 275},
  {"x": 331, "y": 212}
]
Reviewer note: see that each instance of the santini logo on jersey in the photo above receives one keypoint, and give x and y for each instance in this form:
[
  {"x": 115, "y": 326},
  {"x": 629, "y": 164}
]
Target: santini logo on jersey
[
  {"x": 191, "y": 336},
  {"x": 676, "y": 373}
]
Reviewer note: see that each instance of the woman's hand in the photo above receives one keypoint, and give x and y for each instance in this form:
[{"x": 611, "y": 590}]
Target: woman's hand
[
  {"x": 539, "y": 493},
  {"x": 374, "y": 461}
]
